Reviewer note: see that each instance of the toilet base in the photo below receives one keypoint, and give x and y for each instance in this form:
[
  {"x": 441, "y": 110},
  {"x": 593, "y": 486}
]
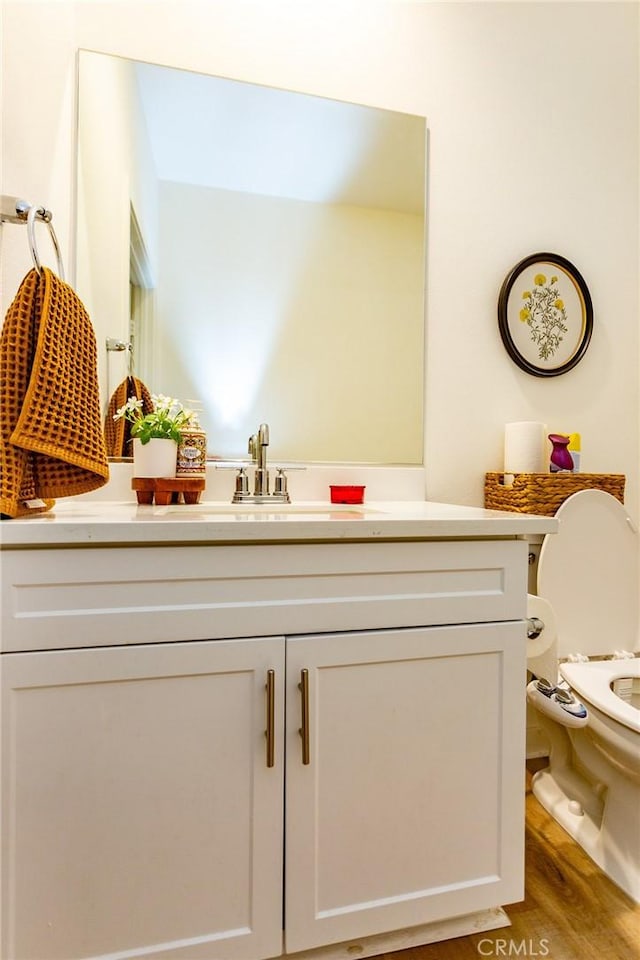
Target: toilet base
[{"x": 585, "y": 822}]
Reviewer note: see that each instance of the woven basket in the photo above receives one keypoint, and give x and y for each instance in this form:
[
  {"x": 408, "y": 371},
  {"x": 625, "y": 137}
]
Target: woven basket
[{"x": 543, "y": 493}]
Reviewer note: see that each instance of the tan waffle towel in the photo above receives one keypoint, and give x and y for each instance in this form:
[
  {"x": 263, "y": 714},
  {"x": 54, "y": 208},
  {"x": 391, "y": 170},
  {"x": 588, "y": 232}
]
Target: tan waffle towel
[
  {"x": 51, "y": 440},
  {"x": 117, "y": 433}
]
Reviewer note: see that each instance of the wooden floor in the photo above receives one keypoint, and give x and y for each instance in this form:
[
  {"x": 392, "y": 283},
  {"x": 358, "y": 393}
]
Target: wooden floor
[{"x": 571, "y": 911}]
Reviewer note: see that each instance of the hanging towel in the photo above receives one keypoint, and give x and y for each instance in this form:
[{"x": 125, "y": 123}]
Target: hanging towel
[
  {"x": 117, "y": 433},
  {"x": 51, "y": 439}
]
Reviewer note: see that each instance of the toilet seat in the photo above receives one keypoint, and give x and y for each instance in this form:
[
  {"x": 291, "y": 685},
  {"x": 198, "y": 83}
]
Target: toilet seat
[
  {"x": 592, "y": 682},
  {"x": 588, "y": 573}
]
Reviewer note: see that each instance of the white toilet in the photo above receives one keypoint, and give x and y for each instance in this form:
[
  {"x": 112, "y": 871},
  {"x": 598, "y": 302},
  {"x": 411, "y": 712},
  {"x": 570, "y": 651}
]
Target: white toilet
[{"x": 588, "y": 650}]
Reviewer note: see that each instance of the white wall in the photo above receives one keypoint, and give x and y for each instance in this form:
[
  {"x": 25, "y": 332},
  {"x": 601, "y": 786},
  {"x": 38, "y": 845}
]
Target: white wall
[{"x": 533, "y": 116}]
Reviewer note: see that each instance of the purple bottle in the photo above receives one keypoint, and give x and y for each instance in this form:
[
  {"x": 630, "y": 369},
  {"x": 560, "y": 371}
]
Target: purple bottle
[{"x": 561, "y": 459}]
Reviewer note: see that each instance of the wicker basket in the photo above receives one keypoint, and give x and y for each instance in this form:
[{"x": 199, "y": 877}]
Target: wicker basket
[{"x": 543, "y": 493}]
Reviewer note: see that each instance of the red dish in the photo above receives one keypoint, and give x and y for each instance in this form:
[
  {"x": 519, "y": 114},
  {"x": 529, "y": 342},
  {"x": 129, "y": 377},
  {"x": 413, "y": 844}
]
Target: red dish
[{"x": 346, "y": 494}]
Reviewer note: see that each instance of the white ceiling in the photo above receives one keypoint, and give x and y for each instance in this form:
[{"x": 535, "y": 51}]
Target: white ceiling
[{"x": 240, "y": 136}]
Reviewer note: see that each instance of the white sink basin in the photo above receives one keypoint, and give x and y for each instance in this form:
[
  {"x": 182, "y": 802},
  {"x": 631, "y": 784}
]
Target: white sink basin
[{"x": 342, "y": 510}]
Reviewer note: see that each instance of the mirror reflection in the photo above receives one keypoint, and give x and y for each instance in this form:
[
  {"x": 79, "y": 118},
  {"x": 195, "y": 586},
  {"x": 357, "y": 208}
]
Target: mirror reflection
[{"x": 262, "y": 252}]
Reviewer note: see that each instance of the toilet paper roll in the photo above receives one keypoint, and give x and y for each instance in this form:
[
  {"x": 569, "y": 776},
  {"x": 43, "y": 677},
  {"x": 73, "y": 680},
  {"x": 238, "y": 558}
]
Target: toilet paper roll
[
  {"x": 525, "y": 447},
  {"x": 542, "y": 651}
]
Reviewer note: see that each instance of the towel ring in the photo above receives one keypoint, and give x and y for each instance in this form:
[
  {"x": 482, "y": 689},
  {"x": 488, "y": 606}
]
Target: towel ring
[{"x": 45, "y": 216}]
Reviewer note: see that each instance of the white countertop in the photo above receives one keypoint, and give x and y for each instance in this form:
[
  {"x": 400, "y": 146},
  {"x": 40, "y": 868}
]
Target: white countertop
[{"x": 82, "y": 522}]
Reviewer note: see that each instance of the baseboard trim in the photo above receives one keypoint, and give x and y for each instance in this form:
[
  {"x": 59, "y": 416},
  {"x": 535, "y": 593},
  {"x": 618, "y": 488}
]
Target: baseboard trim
[{"x": 383, "y": 943}]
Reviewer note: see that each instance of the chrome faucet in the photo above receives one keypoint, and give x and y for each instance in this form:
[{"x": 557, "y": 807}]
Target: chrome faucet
[
  {"x": 258, "y": 443},
  {"x": 258, "y": 451}
]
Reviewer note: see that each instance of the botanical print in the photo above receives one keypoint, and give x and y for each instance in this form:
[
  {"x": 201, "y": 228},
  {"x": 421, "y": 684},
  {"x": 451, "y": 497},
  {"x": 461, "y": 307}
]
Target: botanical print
[
  {"x": 544, "y": 312},
  {"x": 545, "y": 315}
]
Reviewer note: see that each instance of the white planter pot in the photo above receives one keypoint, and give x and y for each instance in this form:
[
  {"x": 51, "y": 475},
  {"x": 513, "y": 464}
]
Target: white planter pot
[{"x": 157, "y": 458}]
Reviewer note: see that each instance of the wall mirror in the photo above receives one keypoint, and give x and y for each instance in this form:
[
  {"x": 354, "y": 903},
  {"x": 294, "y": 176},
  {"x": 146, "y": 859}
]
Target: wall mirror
[{"x": 262, "y": 251}]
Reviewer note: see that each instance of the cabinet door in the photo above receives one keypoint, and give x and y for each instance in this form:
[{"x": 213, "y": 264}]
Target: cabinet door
[
  {"x": 139, "y": 815},
  {"x": 409, "y": 808}
]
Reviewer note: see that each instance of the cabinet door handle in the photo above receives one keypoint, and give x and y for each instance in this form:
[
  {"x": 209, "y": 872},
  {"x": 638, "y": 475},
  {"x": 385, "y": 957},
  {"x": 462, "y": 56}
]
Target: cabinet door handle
[
  {"x": 303, "y": 687},
  {"x": 271, "y": 718}
]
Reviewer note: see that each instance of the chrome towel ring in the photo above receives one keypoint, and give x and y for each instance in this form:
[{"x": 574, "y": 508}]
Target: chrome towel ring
[
  {"x": 39, "y": 213},
  {"x": 14, "y": 210}
]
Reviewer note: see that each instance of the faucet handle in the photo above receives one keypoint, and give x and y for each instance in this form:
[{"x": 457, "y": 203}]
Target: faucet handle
[
  {"x": 242, "y": 483},
  {"x": 280, "y": 485}
]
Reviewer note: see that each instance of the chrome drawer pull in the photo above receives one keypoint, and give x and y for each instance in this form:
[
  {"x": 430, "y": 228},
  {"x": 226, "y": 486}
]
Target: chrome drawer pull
[
  {"x": 303, "y": 686},
  {"x": 271, "y": 717}
]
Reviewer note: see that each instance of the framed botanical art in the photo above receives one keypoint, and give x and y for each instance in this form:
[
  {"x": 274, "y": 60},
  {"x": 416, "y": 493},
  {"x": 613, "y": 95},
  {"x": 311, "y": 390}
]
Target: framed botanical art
[{"x": 545, "y": 315}]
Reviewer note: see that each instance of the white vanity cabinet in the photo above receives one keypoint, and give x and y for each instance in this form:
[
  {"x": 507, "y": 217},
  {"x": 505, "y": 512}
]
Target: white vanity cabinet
[
  {"x": 409, "y": 807},
  {"x": 140, "y": 817},
  {"x": 230, "y": 751}
]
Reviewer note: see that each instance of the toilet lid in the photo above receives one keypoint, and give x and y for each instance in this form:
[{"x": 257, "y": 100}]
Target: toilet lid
[{"x": 588, "y": 573}]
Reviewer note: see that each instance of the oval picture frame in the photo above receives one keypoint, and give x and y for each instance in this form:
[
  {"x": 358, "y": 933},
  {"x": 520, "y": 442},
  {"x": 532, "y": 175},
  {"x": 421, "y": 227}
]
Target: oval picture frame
[{"x": 545, "y": 315}]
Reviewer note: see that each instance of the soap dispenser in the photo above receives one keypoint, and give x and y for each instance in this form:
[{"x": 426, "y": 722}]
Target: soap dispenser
[{"x": 192, "y": 450}]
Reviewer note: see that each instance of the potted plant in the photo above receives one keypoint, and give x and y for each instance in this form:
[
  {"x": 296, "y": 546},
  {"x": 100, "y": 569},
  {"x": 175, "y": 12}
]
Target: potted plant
[{"x": 155, "y": 435}]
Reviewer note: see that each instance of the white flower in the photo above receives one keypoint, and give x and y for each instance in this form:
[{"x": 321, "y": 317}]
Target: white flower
[
  {"x": 131, "y": 409},
  {"x": 162, "y": 423}
]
